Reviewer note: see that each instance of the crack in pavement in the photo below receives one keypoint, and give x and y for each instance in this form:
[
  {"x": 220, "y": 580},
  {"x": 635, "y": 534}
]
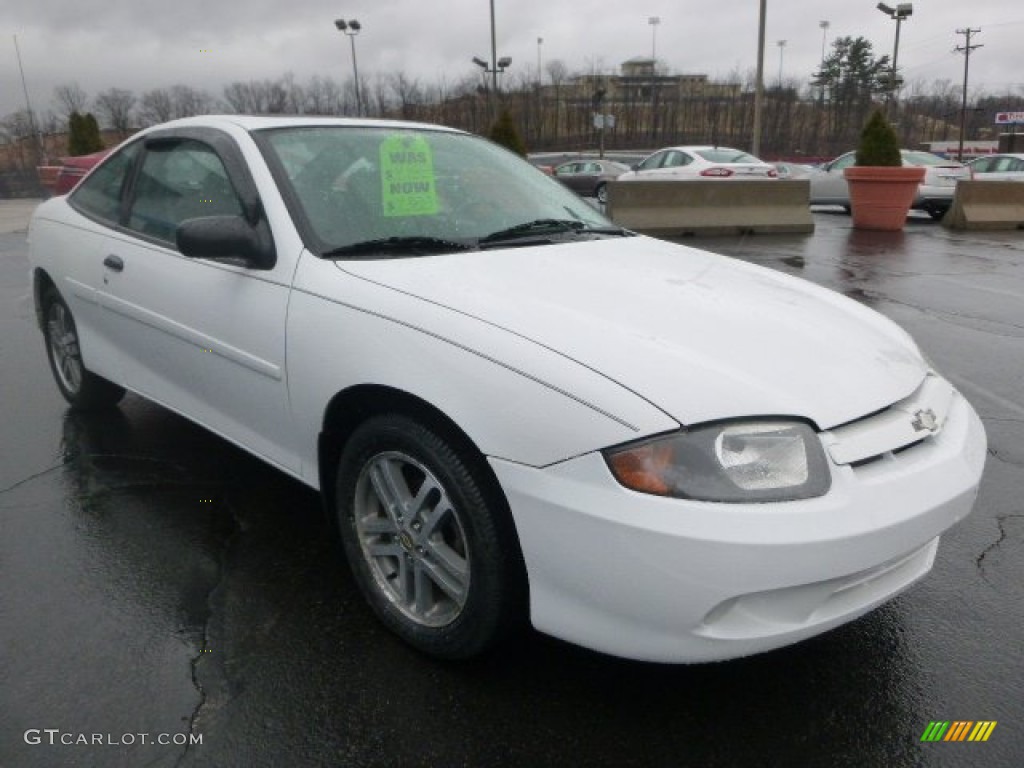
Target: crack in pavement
[
  {"x": 30, "y": 478},
  {"x": 979, "y": 562},
  {"x": 995, "y": 454},
  {"x": 76, "y": 457},
  {"x": 204, "y": 649}
]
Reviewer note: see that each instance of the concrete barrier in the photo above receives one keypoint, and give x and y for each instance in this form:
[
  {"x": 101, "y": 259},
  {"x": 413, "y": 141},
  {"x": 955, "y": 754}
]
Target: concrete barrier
[
  {"x": 673, "y": 209},
  {"x": 981, "y": 204}
]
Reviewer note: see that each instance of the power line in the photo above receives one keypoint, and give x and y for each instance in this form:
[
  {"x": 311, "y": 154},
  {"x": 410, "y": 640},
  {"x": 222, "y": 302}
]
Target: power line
[{"x": 966, "y": 50}]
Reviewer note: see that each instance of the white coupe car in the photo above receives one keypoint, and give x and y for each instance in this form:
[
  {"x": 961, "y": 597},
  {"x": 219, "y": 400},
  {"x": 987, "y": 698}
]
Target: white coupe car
[{"x": 514, "y": 409}]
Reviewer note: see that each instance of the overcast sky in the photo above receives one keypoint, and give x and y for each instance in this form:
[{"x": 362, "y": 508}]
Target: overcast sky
[{"x": 142, "y": 44}]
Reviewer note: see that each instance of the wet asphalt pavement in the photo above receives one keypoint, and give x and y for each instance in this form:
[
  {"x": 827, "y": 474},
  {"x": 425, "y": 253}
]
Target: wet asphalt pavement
[{"x": 158, "y": 583}]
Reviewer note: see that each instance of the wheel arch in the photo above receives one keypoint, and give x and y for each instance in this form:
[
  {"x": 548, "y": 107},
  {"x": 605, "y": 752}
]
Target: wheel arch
[
  {"x": 353, "y": 406},
  {"x": 41, "y": 282}
]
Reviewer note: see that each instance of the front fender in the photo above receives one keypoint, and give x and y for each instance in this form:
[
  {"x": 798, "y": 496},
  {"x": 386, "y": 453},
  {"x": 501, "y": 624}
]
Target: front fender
[{"x": 516, "y": 399}]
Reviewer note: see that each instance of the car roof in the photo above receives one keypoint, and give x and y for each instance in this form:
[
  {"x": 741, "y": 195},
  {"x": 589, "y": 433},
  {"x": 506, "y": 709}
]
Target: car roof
[
  {"x": 261, "y": 122},
  {"x": 1017, "y": 155},
  {"x": 699, "y": 147}
]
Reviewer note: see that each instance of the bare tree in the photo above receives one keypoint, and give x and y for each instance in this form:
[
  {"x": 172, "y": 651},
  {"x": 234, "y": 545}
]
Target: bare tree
[
  {"x": 190, "y": 101},
  {"x": 257, "y": 96},
  {"x": 407, "y": 93},
  {"x": 70, "y": 97},
  {"x": 156, "y": 106},
  {"x": 323, "y": 96},
  {"x": 116, "y": 105}
]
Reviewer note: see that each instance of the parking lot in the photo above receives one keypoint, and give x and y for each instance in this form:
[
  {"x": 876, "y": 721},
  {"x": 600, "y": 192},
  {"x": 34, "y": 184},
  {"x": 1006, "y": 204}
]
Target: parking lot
[{"x": 156, "y": 581}]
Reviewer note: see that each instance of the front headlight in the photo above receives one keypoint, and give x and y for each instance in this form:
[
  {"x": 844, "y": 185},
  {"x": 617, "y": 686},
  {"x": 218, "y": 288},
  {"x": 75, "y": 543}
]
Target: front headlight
[{"x": 733, "y": 461}]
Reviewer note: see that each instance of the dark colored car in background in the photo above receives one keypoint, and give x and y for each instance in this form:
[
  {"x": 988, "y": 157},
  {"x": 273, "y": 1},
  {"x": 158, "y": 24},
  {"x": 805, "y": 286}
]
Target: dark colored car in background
[{"x": 589, "y": 178}]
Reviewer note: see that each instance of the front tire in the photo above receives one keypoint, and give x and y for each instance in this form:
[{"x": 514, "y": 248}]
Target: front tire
[
  {"x": 82, "y": 389},
  {"x": 428, "y": 537}
]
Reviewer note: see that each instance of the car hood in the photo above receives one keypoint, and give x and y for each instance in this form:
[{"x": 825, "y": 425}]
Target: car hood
[{"x": 700, "y": 336}]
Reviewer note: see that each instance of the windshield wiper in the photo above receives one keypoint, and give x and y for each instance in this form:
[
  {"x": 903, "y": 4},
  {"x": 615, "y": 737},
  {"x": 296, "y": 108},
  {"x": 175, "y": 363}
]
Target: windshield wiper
[
  {"x": 542, "y": 227},
  {"x": 533, "y": 228},
  {"x": 397, "y": 246}
]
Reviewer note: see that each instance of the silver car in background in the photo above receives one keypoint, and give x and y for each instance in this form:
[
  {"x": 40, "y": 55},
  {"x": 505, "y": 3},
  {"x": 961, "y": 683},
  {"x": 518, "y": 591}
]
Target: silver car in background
[
  {"x": 998, "y": 167},
  {"x": 934, "y": 196}
]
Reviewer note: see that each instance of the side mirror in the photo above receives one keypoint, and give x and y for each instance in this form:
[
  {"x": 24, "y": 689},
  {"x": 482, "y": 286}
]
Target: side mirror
[{"x": 226, "y": 238}]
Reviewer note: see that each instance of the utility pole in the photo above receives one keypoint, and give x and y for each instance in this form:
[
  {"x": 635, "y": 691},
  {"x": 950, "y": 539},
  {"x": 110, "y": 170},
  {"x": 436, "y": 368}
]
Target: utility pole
[{"x": 965, "y": 49}]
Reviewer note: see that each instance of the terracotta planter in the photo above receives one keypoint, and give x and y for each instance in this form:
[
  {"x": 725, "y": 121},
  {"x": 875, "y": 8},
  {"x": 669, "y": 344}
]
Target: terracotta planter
[{"x": 880, "y": 197}]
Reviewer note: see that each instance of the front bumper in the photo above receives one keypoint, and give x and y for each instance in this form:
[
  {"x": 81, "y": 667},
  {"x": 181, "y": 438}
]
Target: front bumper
[{"x": 673, "y": 580}]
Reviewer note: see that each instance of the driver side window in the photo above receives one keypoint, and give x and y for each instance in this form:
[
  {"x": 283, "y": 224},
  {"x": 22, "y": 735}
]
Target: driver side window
[
  {"x": 179, "y": 181},
  {"x": 845, "y": 161}
]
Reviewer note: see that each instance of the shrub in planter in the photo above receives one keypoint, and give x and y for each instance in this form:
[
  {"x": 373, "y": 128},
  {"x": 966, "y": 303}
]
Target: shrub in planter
[{"x": 881, "y": 189}]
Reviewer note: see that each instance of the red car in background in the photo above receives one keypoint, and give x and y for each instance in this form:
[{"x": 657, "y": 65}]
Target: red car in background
[
  {"x": 74, "y": 168},
  {"x": 60, "y": 180}
]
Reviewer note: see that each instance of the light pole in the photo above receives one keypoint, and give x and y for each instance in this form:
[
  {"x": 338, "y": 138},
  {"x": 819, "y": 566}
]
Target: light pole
[
  {"x": 540, "y": 74},
  {"x": 28, "y": 105},
  {"x": 351, "y": 29},
  {"x": 497, "y": 65},
  {"x": 759, "y": 80},
  {"x": 824, "y": 25},
  {"x": 782, "y": 48},
  {"x": 654, "y": 21},
  {"x": 899, "y": 14}
]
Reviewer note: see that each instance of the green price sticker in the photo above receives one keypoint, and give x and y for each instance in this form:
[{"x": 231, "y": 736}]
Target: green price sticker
[{"x": 408, "y": 186}]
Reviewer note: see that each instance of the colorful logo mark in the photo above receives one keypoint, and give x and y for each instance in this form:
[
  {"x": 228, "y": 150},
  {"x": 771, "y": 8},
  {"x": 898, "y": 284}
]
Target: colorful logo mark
[{"x": 958, "y": 730}]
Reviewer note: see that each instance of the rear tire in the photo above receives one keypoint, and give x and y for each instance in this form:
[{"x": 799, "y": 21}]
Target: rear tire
[
  {"x": 937, "y": 214},
  {"x": 428, "y": 537},
  {"x": 82, "y": 389}
]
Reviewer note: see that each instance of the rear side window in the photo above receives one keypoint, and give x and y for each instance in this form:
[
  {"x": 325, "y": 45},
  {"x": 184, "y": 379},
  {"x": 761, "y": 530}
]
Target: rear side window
[
  {"x": 654, "y": 161},
  {"x": 99, "y": 195}
]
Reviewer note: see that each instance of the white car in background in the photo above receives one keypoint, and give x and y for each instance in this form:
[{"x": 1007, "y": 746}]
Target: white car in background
[
  {"x": 514, "y": 409},
  {"x": 998, "y": 167},
  {"x": 700, "y": 163},
  {"x": 934, "y": 194}
]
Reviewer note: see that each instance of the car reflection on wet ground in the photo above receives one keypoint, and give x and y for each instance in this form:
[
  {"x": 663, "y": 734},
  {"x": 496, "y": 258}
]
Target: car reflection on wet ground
[{"x": 156, "y": 581}]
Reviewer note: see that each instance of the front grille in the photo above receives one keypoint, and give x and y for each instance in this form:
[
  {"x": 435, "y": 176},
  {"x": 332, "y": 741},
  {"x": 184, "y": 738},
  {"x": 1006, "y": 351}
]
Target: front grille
[{"x": 893, "y": 430}]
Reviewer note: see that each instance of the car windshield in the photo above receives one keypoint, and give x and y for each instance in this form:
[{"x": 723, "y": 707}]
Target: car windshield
[
  {"x": 724, "y": 155},
  {"x": 926, "y": 159},
  {"x": 354, "y": 188}
]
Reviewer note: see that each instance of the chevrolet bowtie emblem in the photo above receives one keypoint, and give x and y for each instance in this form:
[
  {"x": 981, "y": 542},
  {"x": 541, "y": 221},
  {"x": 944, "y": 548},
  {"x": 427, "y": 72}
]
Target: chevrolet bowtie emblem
[{"x": 925, "y": 420}]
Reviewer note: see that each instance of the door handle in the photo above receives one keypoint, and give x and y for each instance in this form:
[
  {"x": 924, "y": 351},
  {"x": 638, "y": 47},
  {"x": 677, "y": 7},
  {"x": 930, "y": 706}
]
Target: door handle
[{"x": 113, "y": 262}]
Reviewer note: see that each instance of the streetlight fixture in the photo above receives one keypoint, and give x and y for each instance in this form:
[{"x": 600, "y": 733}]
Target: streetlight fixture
[
  {"x": 499, "y": 69},
  {"x": 351, "y": 28},
  {"x": 899, "y": 14}
]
